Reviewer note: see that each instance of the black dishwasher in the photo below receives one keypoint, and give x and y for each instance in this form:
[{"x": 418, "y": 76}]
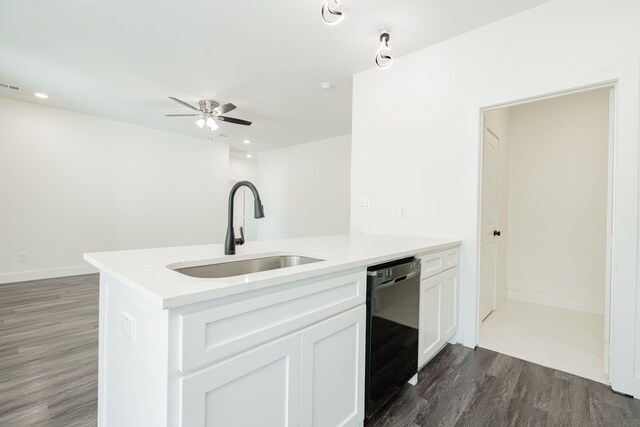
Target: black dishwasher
[{"x": 393, "y": 305}]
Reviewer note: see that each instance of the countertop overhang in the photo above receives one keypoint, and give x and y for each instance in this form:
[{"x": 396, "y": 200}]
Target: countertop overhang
[{"x": 146, "y": 271}]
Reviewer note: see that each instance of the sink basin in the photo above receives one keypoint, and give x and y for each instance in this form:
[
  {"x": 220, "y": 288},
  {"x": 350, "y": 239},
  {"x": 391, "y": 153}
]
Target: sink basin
[{"x": 247, "y": 266}]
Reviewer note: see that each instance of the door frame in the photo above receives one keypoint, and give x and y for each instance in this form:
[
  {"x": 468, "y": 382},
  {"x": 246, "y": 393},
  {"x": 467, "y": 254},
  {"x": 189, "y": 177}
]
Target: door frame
[{"x": 624, "y": 344}]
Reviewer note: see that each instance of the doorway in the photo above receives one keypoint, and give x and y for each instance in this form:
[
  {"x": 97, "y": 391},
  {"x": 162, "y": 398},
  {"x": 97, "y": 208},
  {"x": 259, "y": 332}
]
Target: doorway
[{"x": 545, "y": 229}]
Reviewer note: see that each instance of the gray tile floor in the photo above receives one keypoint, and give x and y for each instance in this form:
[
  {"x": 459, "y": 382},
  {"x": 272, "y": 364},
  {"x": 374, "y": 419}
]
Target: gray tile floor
[
  {"x": 465, "y": 387},
  {"x": 49, "y": 354}
]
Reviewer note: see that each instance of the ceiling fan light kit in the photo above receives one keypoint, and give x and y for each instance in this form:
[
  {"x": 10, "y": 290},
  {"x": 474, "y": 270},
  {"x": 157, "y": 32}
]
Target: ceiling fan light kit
[
  {"x": 209, "y": 112},
  {"x": 212, "y": 124}
]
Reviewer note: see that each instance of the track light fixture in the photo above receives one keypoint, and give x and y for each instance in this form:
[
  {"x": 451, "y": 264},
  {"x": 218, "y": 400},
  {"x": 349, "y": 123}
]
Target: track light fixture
[
  {"x": 329, "y": 13},
  {"x": 383, "y": 55}
]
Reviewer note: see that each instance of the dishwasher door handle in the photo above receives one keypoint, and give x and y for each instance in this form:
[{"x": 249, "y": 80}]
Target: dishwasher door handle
[{"x": 397, "y": 281}]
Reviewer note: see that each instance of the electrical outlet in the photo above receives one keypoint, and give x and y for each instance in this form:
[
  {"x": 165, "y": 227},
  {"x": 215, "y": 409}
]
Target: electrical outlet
[
  {"x": 364, "y": 203},
  {"x": 22, "y": 256},
  {"x": 129, "y": 326},
  {"x": 402, "y": 212}
]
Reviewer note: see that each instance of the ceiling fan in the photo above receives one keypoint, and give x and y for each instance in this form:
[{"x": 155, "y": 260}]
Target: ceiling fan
[{"x": 209, "y": 112}]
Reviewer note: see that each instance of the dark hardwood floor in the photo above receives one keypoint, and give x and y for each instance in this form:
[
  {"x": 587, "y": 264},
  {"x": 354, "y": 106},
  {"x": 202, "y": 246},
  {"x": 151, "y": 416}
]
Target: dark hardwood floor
[
  {"x": 48, "y": 374},
  {"x": 464, "y": 387},
  {"x": 49, "y": 352}
]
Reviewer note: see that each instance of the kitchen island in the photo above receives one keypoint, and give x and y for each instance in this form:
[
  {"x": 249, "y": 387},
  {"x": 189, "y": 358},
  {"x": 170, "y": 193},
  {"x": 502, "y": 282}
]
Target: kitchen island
[{"x": 282, "y": 347}]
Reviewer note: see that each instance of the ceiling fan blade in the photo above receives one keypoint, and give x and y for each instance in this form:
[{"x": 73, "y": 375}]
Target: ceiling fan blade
[
  {"x": 225, "y": 108},
  {"x": 184, "y": 103},
  {"x": 182, "y": 115},
  {"x": 232, "y": 120}
]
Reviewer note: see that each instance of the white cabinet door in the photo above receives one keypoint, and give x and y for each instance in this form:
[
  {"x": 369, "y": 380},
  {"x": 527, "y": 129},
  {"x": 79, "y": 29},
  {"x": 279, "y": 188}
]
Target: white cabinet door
[
  {"x": 438, "y": 313},
  {"x": 257, "y": 388},
  {"x": 333, "y": 357},
  {"x": 449, "y": 306},
  {"x": 430, "y": 313}
]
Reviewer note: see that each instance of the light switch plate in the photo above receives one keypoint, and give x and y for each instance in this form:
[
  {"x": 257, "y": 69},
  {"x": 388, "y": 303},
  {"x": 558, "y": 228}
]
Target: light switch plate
[
  {"x": 129, "y": 326},
  {"x": 402, "y": 212},
  {"x": 364, "y": 203}
]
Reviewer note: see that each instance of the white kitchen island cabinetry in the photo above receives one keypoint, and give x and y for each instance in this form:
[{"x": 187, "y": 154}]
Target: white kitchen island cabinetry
[
  {"x": 438, "y": 302},
  {"x": 282, "y": 347},
  {"x": 307, "y": 378}
]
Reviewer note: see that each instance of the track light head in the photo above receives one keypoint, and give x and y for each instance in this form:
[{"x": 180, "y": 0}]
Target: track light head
[
  {"x": 383, "y": 55},
  {"x": 329, "y": 14}
]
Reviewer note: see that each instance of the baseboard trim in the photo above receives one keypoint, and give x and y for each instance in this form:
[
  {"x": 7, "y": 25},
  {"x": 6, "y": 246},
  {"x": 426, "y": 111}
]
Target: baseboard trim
[
  {"x": 553, "y": 301},
  {"x": 23, "y": 276}
]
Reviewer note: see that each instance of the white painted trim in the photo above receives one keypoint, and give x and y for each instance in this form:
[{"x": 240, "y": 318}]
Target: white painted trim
[
  {"x": 626, "y": 79},
  {"x": 22, "y": 276},
  {"x": 554, "y": 301}
]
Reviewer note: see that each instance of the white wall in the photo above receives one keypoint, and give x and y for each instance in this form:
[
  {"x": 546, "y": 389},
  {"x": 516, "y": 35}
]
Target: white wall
[
  {"x": 415, "y": 136},
  {"x": 557, "y": 235},
  {"x": 243, "y": 169},
  {"x": 305, "y": 189},
  {"x": 498, "y": 122},
  {"x": 72, "y": 183}
]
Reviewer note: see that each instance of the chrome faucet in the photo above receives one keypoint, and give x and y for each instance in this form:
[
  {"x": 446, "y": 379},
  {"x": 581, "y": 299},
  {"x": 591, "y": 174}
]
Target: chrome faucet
[{"x": 230, "y": 241}]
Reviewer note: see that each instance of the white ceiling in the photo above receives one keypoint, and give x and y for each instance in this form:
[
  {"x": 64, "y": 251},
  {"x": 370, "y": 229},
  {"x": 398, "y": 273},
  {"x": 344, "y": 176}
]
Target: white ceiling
[{"x": 121, "y": 59}]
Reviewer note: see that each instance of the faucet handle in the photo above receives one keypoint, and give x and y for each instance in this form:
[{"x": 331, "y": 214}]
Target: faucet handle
[{"x": 240, "y": 241}]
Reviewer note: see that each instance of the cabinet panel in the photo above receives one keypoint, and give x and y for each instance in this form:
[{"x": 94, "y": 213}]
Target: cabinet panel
[
  {"x": 430, "y": 314},
  {"x": 431, "y": 264},
  {"x": 260, "y": 387},
  {"x": 333, "y": 357},
  {"x": 216, "y": 333},
  {"x": 449, "y": 322},
  {"x": 451, "y": 258}
]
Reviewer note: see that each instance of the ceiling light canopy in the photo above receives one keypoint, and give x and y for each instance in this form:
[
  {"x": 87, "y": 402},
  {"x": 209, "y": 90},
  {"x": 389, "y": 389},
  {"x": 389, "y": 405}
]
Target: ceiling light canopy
[
  {"x": 41, "y": 95},
  {"x": 383, "y": 55},
  {"x": 330, "y": 15}
]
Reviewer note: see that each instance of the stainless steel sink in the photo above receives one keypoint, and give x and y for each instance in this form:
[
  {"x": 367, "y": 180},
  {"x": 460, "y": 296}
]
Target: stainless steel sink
[{"x": 247, "y": 266}]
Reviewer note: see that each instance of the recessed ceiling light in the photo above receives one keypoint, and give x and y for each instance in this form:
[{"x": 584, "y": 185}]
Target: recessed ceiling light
[
  {"x": 326, "y": 86},
  {"x": 246, "y": 141},
  {"x": 41, "y": 95},
  {"x": 248, "y": 156}
]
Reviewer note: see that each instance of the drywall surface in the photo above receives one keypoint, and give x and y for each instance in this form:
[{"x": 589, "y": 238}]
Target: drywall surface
[
  {"x": 243, "y": 169},
  {"x": 558, "y": 159},
  {"x": 72, "y": 183},
  {"x": 305, "y": 189},
  {"x": 415, "y": 135},
  {"x": 498, "y": 122}
]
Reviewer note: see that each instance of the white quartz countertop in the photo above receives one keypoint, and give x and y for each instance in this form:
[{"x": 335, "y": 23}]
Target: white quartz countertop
[{"x": 146, "y": 270}]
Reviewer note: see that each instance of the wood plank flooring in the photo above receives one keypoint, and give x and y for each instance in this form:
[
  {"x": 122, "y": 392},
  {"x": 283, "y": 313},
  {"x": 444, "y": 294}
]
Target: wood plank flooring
[
  {"x": 49, "y": 352},
  {"x": 465, "y": 387},
  {"x": 48, "y": 374}
]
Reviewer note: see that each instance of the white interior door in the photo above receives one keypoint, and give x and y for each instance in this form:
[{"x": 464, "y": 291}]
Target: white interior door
[{"x": 488, "y": 219}]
